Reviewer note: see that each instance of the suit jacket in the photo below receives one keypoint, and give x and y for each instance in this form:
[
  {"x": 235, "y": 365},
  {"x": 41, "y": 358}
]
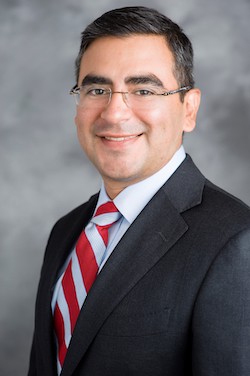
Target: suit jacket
[{"x": 173, "y": 298}]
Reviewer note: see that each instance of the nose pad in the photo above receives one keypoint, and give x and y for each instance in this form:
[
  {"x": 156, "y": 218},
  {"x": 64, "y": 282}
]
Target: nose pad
[{"x": 124, "y": 97}]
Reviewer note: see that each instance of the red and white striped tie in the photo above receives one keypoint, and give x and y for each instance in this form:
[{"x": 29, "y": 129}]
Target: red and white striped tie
[{"x": 80, "y": 275}]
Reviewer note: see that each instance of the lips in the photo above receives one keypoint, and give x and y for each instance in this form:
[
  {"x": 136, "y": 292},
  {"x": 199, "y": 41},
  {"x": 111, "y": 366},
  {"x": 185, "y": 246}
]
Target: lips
[{"x": 120, "y": 139}]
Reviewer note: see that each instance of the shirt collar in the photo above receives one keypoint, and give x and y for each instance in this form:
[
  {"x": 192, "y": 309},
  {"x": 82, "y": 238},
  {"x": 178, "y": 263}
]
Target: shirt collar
[{"x": 131, "y": 201}]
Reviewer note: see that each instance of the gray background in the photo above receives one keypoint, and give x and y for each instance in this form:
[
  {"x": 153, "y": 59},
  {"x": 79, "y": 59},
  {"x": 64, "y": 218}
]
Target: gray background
[{"x": 45, "y": 174}]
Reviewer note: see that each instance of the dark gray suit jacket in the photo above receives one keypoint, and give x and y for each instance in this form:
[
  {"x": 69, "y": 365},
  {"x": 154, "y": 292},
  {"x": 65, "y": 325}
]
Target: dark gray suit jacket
[{"x": 174, "y": 297}]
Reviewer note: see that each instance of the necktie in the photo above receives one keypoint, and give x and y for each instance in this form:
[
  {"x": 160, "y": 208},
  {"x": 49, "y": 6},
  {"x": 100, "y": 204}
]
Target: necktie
[{"x": 80, "y": 274}]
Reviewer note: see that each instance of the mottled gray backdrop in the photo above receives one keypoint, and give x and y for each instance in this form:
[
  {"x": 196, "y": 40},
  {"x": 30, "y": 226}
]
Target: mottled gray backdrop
[{"x": 45, "y": 174}]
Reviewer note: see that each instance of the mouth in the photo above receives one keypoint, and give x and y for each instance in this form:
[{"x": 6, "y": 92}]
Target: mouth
[{"x": 121, "y": 139}]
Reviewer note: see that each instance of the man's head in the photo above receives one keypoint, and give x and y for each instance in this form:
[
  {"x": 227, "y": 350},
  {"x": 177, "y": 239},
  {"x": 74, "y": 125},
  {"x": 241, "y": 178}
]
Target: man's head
[
  {"x": 140, "y": 20},
  {"x": 130, "y": 116}
]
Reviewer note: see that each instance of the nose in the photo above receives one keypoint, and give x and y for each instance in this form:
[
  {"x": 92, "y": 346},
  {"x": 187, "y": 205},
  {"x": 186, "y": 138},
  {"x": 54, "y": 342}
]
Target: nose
[
  {"x": 124, "y": 95},
  {"x": 117, "y": 109}
]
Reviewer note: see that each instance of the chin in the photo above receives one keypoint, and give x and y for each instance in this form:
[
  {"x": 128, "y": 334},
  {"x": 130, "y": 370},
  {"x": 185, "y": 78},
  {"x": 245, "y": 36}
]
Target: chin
[{"x": 121, "y": 177}]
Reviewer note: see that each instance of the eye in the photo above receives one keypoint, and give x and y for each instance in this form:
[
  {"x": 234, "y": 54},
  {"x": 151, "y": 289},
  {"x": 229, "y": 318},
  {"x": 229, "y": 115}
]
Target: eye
[
  {"x": 144, "y": 92},
  {"x": 95, "y": 92}
]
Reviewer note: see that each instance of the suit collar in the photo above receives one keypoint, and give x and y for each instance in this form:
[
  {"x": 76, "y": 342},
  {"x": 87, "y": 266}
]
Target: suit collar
[
  {"x": 185, "y": 188},
  {"x": 142, "y": 246}
]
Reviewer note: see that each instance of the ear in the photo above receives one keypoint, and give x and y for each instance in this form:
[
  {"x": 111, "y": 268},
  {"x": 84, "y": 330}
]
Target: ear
[{"x": 191, "y": 104}]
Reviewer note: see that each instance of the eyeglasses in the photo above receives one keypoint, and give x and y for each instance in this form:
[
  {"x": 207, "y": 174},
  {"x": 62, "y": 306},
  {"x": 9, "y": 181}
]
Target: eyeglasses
[{"x": 138, "y": 98}]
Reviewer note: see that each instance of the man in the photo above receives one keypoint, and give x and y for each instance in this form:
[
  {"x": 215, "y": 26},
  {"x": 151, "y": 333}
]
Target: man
[{"x": 170, "y": 293}]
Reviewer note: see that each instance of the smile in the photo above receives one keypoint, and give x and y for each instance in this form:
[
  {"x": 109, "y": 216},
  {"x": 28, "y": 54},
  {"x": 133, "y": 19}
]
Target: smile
[{"x": 120, "y": 139}]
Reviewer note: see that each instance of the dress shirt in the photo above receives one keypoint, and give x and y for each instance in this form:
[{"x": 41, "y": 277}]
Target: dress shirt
[{"x": 131, "y": 201}]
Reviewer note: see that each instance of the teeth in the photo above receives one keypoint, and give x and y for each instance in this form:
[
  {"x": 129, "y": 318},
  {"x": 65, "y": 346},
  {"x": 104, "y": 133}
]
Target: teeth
[{"x": 119, "y": 138}]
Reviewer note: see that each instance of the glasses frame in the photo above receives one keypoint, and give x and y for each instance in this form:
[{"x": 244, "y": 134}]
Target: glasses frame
[{"x": 76, "y": 90}]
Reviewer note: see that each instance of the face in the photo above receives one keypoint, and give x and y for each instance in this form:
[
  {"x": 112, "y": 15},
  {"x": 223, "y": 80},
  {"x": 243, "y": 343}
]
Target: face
[{"x": 128, "y": 144}]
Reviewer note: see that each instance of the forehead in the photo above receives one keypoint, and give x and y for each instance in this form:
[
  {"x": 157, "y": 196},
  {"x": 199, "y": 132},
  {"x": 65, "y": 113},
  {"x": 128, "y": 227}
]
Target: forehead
[{"x": 119, "y": 57}]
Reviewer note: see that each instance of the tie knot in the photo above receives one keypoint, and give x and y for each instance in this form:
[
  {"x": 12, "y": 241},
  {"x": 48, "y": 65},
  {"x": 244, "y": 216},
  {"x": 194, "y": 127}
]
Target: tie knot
[{"x": 106, "y": 214}]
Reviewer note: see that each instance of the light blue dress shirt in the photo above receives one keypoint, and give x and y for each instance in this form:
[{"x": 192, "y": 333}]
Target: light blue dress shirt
[{"x": 131, "y": 201}]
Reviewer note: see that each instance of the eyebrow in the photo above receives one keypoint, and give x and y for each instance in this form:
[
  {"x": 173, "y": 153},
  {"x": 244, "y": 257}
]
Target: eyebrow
[
  {"x": 93, "y": 79},
  {"x": 149, "y": 79}
]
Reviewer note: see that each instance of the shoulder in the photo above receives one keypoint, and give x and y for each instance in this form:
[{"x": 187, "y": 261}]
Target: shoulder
[
  {"x": 224, "y": 204},
  {"x": 220, "y": 194},
  {"x": 218, "y": 219},
  {"x": 199, "y": 199},
  {"x": 206, "y": 207},
  {"x": 80, "y": 214},
  {"x": 68, "y": 227}
]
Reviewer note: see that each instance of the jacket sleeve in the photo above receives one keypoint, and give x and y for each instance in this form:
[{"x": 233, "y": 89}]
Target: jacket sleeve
[{"x": 221, "y": 320}]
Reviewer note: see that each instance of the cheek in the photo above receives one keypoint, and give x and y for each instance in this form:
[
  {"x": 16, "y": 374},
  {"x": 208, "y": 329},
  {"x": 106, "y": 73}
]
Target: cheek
[
  {"x": 83, "y": 130},
  {"x": 165, "y": 130},
  {"x": 158, "y": 122},
  {"x": 83, "y": 122}
]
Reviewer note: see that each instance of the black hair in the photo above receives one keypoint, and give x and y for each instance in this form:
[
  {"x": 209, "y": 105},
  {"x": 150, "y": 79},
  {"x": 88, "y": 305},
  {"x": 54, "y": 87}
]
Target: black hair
[{"x": 127, "y": 21}]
